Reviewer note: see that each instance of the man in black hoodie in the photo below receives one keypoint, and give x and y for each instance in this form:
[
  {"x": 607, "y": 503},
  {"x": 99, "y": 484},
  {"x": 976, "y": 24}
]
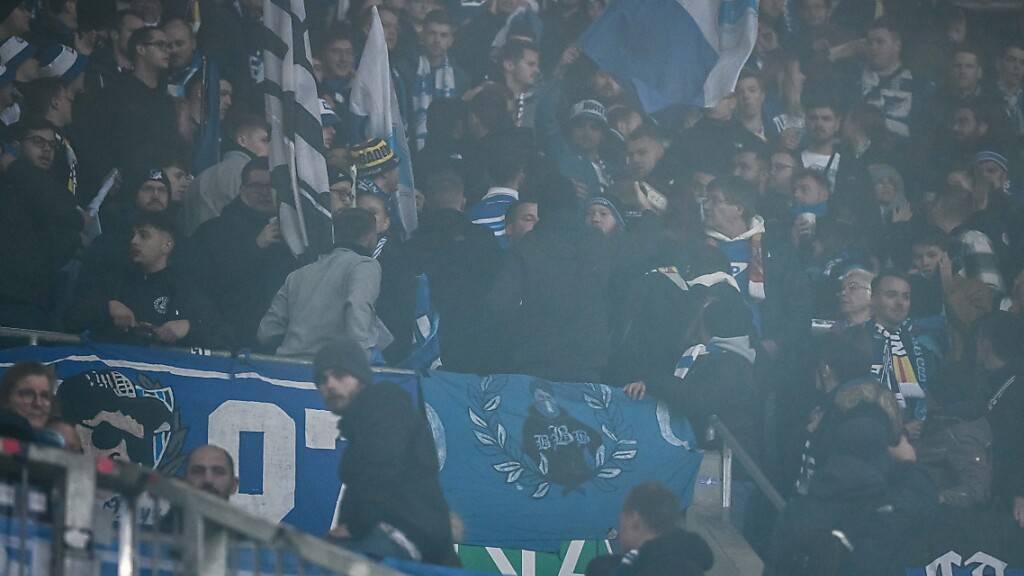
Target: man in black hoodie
[
  {"x": 39, "y": 230},
  {"x": 148, "y": 301},
  {"x": 393, "y": 504},
  {"x": 652, "y": 541}
]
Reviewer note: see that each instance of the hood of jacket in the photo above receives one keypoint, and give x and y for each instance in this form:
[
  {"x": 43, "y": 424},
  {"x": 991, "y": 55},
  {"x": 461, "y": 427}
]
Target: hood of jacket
[
  {"x": 756, "y": 227},
  {"x": 737, "y": 345}
]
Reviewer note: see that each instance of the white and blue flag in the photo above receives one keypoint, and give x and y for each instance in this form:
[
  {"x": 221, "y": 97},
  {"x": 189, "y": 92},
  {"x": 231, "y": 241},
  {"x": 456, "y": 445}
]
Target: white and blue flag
[
  {"x": 374, "y": 104},
  {"x": 674, "y": 51}
]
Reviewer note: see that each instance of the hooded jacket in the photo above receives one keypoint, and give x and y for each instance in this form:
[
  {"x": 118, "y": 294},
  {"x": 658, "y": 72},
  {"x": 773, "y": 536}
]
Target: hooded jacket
[{"x": 390, "y": 470}]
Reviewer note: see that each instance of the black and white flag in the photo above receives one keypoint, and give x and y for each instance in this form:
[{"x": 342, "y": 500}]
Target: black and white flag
[{"x": 297, "y": 162}]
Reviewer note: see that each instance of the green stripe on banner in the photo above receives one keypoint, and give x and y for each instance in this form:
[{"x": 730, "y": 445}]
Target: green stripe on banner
[{"x": 571, "y": 560}]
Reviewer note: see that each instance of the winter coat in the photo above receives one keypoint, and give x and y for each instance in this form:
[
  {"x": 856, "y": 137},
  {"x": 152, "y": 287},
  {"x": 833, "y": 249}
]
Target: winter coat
[
  {"x": 213, "y": 190},
  {"x": 720, "y": 382},
  {"x": 552, "y": 295},
  {"x": 1007, "y": 419},
  {"x": 461, "y": 261},
  {"x": 882, "y": 510},
  {"x": 390, "y": 471},
  {"x": 334, "y": 296},
  {"x": 240, "y": 277},
  {"x": 39, "y": 233}
]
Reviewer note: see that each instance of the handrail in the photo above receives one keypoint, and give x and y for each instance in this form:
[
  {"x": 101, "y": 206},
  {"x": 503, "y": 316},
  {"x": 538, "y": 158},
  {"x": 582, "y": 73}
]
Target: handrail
[
  {"x": 34, "y": 337},
  {"x": 731, "y": 446},
  {"x": 129, "y": 478},
  {"x": 211, "y": 519}
]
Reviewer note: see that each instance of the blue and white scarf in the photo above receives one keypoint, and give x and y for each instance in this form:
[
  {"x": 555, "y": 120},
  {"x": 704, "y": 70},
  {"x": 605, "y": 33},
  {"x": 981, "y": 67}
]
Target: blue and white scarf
[{"x": 430, "y": 83}]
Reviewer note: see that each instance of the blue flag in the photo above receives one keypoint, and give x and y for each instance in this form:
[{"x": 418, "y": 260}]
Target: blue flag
[
  {"x": 528, "y": 463},
  {"x": 374, "y": 103},
  {"x": 674, "y": 51}
]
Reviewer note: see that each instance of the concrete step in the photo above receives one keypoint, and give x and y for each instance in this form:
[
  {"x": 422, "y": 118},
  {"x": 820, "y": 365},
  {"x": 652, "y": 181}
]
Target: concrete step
[{"x": 733, "y": 556}]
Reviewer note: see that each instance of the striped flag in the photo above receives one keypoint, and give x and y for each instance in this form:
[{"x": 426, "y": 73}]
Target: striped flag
[
  {"x": 374, "y": 104},
  {"x": 297, "y": 162}
]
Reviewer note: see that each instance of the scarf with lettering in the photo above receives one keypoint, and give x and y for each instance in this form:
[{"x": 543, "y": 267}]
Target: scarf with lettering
[
  {"x": 430, "y": 83},
  {"x": 900, "y": 365}
]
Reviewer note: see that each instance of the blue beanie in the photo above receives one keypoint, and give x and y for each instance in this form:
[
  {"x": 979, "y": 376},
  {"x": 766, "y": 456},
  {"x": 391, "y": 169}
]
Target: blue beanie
[{"x": 602, "y": 201}]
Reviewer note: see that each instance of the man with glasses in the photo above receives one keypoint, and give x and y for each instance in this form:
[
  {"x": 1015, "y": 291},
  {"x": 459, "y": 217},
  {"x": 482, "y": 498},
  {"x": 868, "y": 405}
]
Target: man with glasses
[
  {"x": 241, "y": 256},
  {"x": 39, "y": 229},
  {"x": 855, "y": 297},
  {"x": 139, "y": 118}
]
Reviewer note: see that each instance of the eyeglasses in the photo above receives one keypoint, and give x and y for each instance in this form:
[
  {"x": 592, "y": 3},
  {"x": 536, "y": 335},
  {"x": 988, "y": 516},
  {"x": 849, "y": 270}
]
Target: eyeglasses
[
  {"x": 29, "y": 395},
  {"x": 853, "y": 287},
  {"x": 41, "y": 142},
  {"x": 160, "y": 45}
]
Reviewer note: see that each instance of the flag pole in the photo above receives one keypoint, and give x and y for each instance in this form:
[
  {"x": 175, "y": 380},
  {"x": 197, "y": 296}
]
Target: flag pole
[{"x": 294, "y": 177}]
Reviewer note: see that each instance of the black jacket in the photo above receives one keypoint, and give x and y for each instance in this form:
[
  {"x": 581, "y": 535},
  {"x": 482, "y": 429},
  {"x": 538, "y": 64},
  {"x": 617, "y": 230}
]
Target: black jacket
[
  {"x": 39, "y": 233},
  {"x": 552, "y": 297},
  {"x": 721, "y": 383},
  {"x": 461, "y": 261},
  {"x": 154, "y": 299},
  {"x": 1007, "y": 420},
  {"x": 240, "y": 277},
  {"x": 675, "y": 552},
  {"x": 396, "y": 305},
  {"x": 390, "y": 471},
  {"x": 137, "y": 125},
  {"x": 884, "y": 513}
]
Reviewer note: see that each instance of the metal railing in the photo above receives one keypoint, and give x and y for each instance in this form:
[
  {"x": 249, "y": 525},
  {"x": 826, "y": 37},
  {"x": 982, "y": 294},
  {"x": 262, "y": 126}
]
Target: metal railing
[
  {"x": 731, "y": 448},
  {"x": 194, "y": 533},
  {"x": 37, "y": 337}
]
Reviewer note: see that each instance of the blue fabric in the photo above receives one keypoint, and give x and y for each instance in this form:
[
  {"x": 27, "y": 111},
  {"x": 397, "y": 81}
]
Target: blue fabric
[
  {"x": 207, "y": 150},
  {"x": 654, "y": 46},
  {"x": 283, "y": 435},
  {"x": 273, "y": 421},
  {"x": 427, "y": 349},
  {"x": 490, "y": 213},
  {"x": 738, "y": 253},
  {"x": 552, "y": 461}
]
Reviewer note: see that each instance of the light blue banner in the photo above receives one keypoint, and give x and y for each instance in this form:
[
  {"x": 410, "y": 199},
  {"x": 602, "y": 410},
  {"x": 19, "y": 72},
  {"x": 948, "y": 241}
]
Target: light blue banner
[{"x": 528, "y": 463}]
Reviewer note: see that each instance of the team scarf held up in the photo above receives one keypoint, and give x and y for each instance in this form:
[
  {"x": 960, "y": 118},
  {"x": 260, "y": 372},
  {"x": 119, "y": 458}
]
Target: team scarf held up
[
  {"x": 900, "y": 365},
  {"x": 430, "y": 83}
]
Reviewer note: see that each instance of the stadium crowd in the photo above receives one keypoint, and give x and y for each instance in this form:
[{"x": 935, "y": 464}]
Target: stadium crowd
[{"x": 830, "y": 258}]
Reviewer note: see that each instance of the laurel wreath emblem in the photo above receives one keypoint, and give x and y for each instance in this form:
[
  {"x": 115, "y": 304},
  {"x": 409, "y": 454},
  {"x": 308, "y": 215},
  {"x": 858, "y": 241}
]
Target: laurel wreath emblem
[{"x": 612, "y": 458}]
